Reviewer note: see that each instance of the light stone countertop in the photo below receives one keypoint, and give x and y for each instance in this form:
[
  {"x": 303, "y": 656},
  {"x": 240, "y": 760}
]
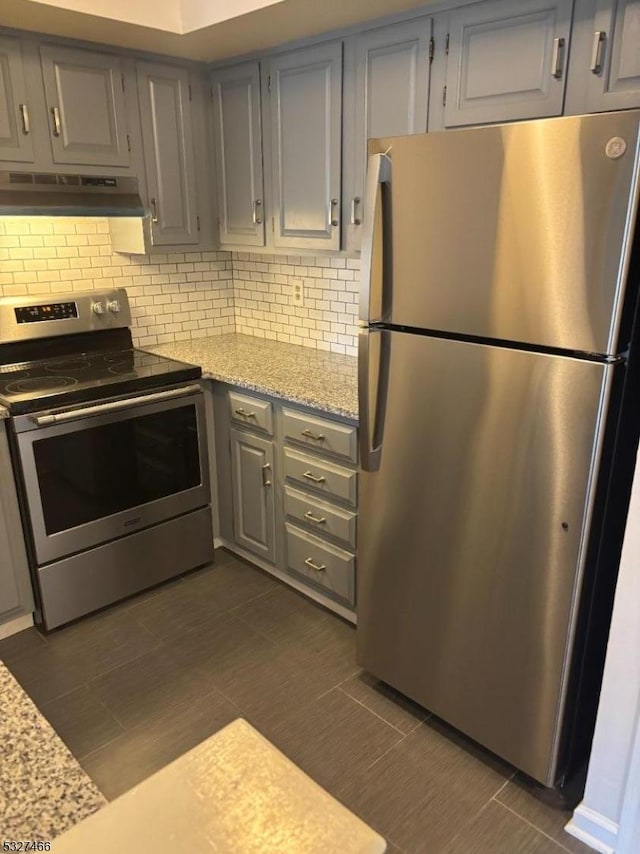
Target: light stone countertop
[
  {"x": 326, "y": 381},
  {"x": 4, "y": 413},
  {"x": 234, "y": 792}
]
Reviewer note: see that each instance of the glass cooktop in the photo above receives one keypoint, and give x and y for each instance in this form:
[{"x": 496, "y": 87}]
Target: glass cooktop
[{"x": 46, "y": 383}]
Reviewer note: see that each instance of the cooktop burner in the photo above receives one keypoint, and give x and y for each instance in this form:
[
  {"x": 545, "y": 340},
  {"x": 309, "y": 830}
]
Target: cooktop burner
[
  {"x": 31, "y": 385},
  {"x": 47, "y": 383}
]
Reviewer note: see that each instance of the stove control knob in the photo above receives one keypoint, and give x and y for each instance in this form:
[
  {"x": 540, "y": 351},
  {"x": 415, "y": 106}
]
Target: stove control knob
[
  {"x": 97, "y": 308},
  {"x": 113, "y": 306}
]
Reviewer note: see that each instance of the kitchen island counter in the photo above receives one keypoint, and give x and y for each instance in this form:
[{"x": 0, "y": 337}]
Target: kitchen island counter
[
  {"x": 4, "y": 413},
  {"x": 322, "y": 380}
]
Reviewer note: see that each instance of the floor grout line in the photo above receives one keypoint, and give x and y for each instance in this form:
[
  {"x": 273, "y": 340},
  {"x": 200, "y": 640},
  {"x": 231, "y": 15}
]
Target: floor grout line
[
  {"x": 375, "y": 714},
  {"x": 530, "y": 823}
]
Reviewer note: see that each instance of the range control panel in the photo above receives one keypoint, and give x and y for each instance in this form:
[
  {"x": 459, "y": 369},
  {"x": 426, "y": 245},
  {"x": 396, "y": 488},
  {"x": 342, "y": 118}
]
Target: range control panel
[{"x": 48, "y": 311}]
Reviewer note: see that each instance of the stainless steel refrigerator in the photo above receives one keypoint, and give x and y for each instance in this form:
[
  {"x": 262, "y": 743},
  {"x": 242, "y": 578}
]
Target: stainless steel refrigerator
[{"x": 498, "y": 423}]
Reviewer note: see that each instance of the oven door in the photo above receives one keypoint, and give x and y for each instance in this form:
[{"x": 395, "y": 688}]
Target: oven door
[{"x": 97, "y": 472}]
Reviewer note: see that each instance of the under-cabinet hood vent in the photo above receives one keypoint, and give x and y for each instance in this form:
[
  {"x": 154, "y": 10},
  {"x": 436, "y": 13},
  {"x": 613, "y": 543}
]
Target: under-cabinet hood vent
[{"x": 50, "y": 194}]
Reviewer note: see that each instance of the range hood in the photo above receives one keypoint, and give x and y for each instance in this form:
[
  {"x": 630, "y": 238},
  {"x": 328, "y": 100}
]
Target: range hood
[{"x": 51, "y": 194}]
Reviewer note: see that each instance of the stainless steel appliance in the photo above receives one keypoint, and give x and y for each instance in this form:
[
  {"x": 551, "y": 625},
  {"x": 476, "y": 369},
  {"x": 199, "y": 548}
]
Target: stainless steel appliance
[
  {"x": 52, "y": 194},
  {"x": 498, "y": 423},
  {"x": 109, "y": 449}
]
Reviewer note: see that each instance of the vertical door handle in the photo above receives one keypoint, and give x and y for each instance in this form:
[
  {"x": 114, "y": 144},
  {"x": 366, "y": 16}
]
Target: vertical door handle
[
  {"x": 265, "y": 474},
  {"x": 257, "y": 205},
  {"x": 557, "y": 58},
  {"x": 355, "y": 201},
  {"x": 332, "y": 219},
  {"x": 597, "y": 50},
  {"x": 373, "y": 371},
  {"x": 375, "y": 234},
  {"x": 24, "y": 115},
  {"x": 154, "y": 210},
  {"x": 55, "y": 114}
]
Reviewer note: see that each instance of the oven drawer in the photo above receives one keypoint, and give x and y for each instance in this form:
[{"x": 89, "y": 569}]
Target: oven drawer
[
  {"x": 324, "y": 565},
  {"x": 330, "y": 437},
  {"x": 327, "y": 478},
  {"x": 251, "y": 412},
  {"x": 326, "y": 520}
]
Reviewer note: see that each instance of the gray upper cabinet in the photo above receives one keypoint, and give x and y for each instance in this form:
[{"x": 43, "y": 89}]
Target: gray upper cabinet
[
  {"x": 386, "y": 94},
  {"x": 305, "y": 117},
  {"x": 238, "y": 149},
  {"x": 506, "y": 61},
  {"x": 85, "y": 100},
  {"x": 253, "y": 479},
  {"x": 165, "y": 112},
  {"x": 15, "y": 127},
  {"x": 614, "y": 69}
]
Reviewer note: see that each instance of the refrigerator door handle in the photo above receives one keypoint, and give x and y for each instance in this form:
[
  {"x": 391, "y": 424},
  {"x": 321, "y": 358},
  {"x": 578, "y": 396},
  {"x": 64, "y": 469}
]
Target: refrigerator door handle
[
  {"x": 373, "y": 262},
  {"x": 373, "y": 372}
]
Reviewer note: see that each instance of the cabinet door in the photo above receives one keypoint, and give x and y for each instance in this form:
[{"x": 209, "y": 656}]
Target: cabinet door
[
  {"x": 238, "y": 145},
  {"x": 85, "y": 99},
  {"x": 15, "y": 130},
  {"x": 614, "y": 72},
  {"x": 165, "y": 111},
  {"x": 252, "y": 477},
  {"x": 305, "y": 115},
  {"x": 386, "y": 94},
  {"x": 507, "y": 63},
  {"x": 16, "y": 597}
]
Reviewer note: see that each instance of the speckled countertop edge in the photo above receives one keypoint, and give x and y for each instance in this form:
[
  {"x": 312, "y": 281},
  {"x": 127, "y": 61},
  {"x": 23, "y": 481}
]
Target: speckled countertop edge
[
  {"x": 43, "y": 789},
  {"x": 315, "y": 378},
  {"x": 3, "y": 413}
]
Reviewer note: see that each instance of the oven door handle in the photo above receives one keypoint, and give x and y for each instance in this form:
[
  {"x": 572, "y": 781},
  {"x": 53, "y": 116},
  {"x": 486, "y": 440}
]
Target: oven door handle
[{"x": 113, "y": 406}]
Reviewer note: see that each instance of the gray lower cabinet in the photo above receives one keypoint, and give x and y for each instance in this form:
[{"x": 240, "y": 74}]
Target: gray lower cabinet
[
  {"x": 305, "y": 112},
  {"x": 287, "y": 492},
  {"x": 238, "y": 149},
  {"x": 386, "y": 93},
  {"x": 506, "y": 61},
  {"x": 84, "y": 93},
  {"x": 15, "y": 127},
  {"x": 165, "y": 112},
  {"x": 16, "y": 596},
  {"x": 252, "y": 473}
]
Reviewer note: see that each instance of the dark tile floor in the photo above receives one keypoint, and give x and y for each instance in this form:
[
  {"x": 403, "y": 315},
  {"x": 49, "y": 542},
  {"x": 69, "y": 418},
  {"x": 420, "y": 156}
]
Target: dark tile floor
[{"x": 134, "y": 687}]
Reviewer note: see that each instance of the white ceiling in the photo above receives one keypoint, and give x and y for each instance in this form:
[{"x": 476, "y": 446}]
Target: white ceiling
[{"x": 197, "y": 29}]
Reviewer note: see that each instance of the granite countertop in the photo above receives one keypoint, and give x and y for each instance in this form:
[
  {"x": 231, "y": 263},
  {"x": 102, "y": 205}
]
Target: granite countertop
[
  {"x": 326, "y": 381},
  {"x": 4, "y": 413},
  {"x": 43, "y": 790}
]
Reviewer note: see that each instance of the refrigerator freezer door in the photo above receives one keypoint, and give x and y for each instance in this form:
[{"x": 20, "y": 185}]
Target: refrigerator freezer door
[
  {"x": 471, "y": 535},
  {"x": 518, "y": 232}
]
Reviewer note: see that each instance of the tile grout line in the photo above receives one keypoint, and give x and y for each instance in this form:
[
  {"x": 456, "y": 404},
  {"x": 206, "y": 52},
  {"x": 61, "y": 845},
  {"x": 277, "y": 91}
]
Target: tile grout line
[
  {"x": 364, "y": 706},
  {"x": 530, "y": 823}
]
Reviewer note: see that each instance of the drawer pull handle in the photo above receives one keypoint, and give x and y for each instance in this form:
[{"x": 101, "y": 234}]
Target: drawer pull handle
[
  {"x": 319, "y": 520},
  {"x": 319, "y": 567},
  {"x": 599, "y": 38},
  {"x": 312, "y": 477},
  {"x": 245, "y": 413},
  {"x": 557, "y": 60},
  {"x": 265, "y": 479},
  {"x": 24, "y": 115},
  {"x": 317, "y": 437}
]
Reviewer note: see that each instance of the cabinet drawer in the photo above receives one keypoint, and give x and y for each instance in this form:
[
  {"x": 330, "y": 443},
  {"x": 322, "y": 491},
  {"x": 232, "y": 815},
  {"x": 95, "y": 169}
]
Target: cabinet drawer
[
  {"x": 321, "y": 476},
  {"x": 321, "y": 434},
  {"x": 324, "y": 519},
  {"x": 251, "y": 411},
  {"x": 327, "y": 566}
]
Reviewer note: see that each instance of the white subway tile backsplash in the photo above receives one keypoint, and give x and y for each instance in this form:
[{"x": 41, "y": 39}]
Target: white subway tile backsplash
[{"x": 186, "y": 295}]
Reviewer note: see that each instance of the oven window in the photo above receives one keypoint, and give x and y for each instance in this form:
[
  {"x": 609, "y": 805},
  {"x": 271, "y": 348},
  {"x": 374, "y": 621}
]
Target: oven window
[{"x": 94, "y": 472}]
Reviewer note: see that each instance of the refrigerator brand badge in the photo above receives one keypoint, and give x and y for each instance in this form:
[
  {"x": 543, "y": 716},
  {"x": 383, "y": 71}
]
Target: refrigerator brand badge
[{"x": 615, "y": 148}]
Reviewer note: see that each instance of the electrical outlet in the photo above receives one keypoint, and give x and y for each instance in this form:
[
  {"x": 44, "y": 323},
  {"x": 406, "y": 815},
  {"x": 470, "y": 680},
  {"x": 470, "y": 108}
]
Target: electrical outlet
[{"x": 298, "y": 294}]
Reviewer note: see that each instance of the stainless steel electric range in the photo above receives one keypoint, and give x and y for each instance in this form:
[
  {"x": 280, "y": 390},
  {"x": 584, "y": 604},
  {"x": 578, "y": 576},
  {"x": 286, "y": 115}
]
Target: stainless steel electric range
[{"x": 109, "y": 452}]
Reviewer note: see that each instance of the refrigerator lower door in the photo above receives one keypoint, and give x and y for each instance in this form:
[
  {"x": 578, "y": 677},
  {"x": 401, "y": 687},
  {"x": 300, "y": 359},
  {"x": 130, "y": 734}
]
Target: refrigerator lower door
[{"x": 472, "y": 534}]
